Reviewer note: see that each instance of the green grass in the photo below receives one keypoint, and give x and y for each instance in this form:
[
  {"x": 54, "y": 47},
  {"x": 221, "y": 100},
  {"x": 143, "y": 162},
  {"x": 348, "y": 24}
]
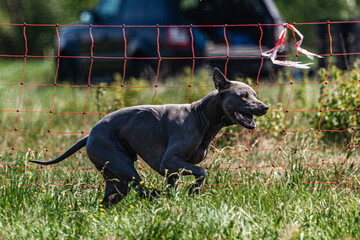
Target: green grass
[
  {"x": 248, "y": 203},
  {"x": 291, "y": 211}
]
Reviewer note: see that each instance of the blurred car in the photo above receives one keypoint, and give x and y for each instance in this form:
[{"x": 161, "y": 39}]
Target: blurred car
[{"x": 114, "y": 21}]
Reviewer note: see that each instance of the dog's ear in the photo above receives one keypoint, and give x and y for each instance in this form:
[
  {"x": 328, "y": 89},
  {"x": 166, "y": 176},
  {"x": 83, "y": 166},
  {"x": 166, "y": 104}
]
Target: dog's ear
[{"x": 220, "y": 81}]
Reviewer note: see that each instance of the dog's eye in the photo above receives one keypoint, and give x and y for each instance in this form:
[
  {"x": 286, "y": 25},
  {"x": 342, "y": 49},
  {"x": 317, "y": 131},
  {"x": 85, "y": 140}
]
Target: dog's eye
[{"x": 244, "y": 95}]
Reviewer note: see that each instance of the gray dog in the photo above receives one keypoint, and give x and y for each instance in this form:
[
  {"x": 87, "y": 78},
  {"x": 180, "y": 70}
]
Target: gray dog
[{"x": 169, "y": 138}]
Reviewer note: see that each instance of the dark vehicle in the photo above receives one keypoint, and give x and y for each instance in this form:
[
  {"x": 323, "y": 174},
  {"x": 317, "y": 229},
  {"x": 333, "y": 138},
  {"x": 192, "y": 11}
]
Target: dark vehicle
[{"x": 173, "y": 31}]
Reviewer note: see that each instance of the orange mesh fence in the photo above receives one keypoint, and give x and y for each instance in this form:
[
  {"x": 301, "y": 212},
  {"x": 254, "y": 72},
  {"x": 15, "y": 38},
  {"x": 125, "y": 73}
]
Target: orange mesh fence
[{"x": 248, "y": 147}]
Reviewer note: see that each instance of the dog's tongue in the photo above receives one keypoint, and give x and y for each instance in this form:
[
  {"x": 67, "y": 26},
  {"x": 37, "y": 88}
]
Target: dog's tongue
[{"x": 246, "y": 119}]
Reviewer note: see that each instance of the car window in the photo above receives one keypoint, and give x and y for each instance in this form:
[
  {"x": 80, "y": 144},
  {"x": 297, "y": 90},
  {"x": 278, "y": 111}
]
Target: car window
[
  {"x": 108, "y": 10},
  {"x": 134, "y": 11},
  {"x": 207, "y": 12},
  {"x": 158, "y": 12},
  {"x": 221, "y": 12}
]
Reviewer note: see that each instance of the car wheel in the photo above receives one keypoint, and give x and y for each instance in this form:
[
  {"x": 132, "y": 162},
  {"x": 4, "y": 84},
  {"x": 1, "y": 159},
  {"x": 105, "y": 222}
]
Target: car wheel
[
  {"x": 141, "y": 68},
  {"x": 68, "y": 70}
]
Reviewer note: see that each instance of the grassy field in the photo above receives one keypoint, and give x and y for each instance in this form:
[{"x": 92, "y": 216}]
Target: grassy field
[
  {"x": 249, "y": 203},
  {"x": 292, "y": 211}
]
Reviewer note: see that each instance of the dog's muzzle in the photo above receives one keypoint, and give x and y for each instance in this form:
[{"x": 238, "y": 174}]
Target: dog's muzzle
[
  {"x": 246, "y": 120},
  {"x": 264, "y": 110}
]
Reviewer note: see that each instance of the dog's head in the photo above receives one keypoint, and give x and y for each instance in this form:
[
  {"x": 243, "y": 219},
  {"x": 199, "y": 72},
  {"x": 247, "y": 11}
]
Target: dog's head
[{"x": 239, "y": 101}]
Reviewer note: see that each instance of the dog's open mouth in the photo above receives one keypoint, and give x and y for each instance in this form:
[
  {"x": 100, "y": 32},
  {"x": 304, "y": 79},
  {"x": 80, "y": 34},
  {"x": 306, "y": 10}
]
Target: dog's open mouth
[{"x": 246, "y": 120}]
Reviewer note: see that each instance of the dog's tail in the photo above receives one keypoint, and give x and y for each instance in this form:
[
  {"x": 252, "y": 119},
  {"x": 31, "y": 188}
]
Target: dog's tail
[{"x": 81, "y": 143}]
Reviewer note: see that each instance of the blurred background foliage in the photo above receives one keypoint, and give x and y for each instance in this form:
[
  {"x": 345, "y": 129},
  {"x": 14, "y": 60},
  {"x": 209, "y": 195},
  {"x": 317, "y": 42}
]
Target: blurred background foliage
[
  {"x": 318, "y": 10},
  {"x": 41, "y": 40}
]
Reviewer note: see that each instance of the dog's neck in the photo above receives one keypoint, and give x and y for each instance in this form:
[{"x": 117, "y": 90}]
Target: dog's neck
[{"x": 212, "y": 115}]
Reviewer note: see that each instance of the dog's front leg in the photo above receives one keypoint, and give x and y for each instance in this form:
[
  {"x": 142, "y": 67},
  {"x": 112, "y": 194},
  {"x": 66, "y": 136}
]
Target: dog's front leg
[
  {"x": 175, "y": 165},
  {"x": 172, "y": 179}
]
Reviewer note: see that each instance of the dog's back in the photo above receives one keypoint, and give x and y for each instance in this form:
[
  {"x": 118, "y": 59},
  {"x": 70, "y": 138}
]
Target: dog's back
[{"x": 155, "y": 125}]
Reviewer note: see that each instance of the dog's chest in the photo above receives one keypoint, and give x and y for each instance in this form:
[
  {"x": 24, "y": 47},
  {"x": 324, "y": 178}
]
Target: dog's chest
[
  {"x": 203, "y": 149},
  {"x": 198, "y": 155}
]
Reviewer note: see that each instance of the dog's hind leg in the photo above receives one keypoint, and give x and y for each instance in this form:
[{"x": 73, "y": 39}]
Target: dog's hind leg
[
  {"x": 115, "y": 191},
  {"x": 118, "y": 169},
  {"x": 128, "y": 174}
]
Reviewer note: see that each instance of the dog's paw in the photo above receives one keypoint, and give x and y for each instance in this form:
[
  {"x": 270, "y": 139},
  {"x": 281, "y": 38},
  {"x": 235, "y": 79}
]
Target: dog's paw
[
  {"x": 150, "y": 195},
  {"x": 155, "y": 193},
  {"x": 195, "y": 189}
]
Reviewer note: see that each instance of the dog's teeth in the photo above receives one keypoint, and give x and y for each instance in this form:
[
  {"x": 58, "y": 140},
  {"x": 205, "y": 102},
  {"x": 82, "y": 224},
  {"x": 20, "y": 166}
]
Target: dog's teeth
[{"x": 239, "y": 114}]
